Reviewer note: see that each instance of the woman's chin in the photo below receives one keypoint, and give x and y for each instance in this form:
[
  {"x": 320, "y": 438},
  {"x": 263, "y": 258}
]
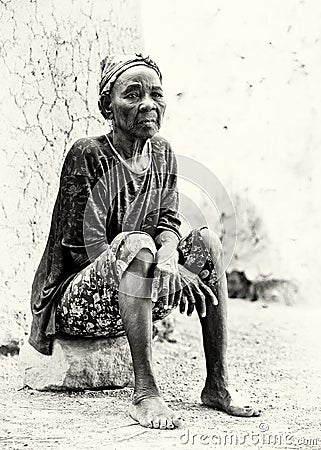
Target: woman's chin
[{"x": 146, "y": 131}]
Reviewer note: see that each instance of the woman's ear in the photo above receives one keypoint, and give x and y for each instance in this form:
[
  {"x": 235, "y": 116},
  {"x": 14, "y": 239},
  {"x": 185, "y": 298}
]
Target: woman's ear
[{"x": 104, "y": 105}]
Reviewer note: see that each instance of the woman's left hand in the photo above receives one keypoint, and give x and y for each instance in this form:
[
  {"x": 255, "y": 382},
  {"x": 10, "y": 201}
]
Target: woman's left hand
[
  {"x": 194, "y": 293},
  {"x": 166, "y": 281}
]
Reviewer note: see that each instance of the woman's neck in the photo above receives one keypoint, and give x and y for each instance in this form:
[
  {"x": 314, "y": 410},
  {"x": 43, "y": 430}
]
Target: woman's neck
[{"x": 127, "y": 146}]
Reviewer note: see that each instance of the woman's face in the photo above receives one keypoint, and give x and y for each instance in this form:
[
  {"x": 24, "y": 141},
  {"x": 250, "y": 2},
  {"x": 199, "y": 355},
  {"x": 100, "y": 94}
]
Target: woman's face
[{"x": 137, "y": 103}]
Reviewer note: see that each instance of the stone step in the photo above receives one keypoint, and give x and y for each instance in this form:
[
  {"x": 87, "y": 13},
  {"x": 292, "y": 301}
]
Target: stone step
[{"x": 78, "y": 364}]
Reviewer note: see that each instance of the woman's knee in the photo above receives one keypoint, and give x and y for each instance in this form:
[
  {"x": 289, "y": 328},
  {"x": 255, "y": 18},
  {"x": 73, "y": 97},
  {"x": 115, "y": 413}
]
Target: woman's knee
[
  {"x": 142, "y": 263},
  {"x": 143, "y": 246},
  {"x": 213, "y": 243}
]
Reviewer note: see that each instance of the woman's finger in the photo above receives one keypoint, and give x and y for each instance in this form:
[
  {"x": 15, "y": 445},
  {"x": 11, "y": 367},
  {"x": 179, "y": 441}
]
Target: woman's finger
[
  {"x": 165, "y": 289},
  {"x": 208, "y": 293},
  {"x": 172, "y": 289},
  {"x": 178, "y": 290},
  {"x": 182, "y": 303},
  {"x": 190, "y": 300},
  {"x": 155, "y": 285},
  {"x": 200, "y": 301},
  {"x": 178, "y": 283}
]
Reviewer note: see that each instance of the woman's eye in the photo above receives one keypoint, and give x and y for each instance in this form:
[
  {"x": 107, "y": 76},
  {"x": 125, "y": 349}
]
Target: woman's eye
[{"x": 132, "y": 95}]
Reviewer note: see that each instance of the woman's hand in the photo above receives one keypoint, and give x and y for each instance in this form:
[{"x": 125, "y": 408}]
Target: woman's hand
[
  {"x": 194, "y": 293},
  {"x": 166, "y": 281}
]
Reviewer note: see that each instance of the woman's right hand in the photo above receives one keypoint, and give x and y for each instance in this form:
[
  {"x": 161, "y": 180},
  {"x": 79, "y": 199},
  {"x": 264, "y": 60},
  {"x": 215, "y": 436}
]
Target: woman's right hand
[{"x": 194, "y": 293}]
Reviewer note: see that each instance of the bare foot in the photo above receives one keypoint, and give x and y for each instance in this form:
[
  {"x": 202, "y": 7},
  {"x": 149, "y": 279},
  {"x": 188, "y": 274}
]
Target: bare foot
[
  {"x": 224, "y": 402},
  {"x": 154, "y": 413}
]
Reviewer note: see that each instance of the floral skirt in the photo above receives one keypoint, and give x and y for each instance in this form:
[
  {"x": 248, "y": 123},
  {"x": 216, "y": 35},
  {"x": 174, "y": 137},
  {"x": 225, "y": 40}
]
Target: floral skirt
[{"x": 89, "y": 306}]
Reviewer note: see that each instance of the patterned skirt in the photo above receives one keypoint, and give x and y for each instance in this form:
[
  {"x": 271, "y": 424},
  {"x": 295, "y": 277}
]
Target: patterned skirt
[{"x": 89, "y": 306}]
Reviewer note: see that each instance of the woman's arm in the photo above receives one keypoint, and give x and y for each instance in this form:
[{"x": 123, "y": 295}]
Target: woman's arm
[
  {"x": 172, "y": 280},
  {"x": 169, "y": 219},
  {"x": 166, "y": 281},
  {"x": 83, "y": 212}
]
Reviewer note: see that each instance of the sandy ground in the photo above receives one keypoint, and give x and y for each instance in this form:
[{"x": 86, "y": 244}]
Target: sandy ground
[{"x": 274, "y": 360}]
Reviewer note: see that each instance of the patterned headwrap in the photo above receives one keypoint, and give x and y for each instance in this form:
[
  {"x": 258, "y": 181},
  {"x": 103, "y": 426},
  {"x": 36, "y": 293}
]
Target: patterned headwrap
[{"x": 111, "y": 68}]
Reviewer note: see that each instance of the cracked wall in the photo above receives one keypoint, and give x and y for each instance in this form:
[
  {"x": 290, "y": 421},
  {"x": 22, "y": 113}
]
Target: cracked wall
[{"x": 50, "y": 53}]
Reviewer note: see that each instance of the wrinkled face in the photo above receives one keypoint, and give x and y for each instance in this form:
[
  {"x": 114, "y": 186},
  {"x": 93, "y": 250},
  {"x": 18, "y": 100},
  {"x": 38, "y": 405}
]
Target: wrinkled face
[{"x": 137, "y": 103}]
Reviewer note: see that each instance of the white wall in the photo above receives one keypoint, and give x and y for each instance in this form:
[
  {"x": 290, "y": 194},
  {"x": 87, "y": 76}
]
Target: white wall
[{"x": 253, "y": 67}]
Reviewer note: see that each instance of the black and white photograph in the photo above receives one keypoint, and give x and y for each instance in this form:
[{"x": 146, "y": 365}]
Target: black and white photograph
[{"x": 160, "y": 218}]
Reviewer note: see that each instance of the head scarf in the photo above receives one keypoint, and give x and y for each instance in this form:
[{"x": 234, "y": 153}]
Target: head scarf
[{"x": 111, "y": 68}]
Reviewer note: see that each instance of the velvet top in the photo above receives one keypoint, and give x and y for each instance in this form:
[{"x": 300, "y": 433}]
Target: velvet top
[{"x": 99, "y": 196}]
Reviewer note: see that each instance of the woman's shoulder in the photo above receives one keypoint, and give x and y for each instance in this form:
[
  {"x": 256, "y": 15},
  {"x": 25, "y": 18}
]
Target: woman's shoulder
[
  {"x": 87, "y": 146},
  {"x": 84, "y": 156},
  {"x": 163, "y": 149},
  {"x": 161, "y": 145}
]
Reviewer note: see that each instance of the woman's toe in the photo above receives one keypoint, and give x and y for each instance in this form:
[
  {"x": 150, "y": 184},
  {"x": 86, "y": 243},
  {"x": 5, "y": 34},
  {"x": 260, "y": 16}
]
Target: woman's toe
[
  {"x": 146, "y": 423},
  {"x": 156, "y": 422},
  {"x": 252, "y": 411},
  {"x": 247, "y": 411},
  {"x": 177, "y": 421},
  {"x": 163, "y": 423},
  {"x": 256, "y": 412},
  {"x": 170, "y": 424}
]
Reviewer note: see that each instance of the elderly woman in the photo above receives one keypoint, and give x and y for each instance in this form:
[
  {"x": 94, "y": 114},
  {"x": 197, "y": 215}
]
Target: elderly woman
[{"x": 115, "y": 260}]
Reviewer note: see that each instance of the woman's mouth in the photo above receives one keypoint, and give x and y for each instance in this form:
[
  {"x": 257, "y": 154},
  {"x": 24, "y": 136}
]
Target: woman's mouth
[{"x": 147, "y": 121}]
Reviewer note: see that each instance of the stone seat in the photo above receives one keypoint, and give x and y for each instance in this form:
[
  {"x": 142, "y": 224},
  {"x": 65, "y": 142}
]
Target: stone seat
[{"x": 78, "y": 364}]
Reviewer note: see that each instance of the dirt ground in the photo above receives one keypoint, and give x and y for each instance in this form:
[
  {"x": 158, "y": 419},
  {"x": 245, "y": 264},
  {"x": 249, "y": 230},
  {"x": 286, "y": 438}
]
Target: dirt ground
[{"x": 274, "y": 360}]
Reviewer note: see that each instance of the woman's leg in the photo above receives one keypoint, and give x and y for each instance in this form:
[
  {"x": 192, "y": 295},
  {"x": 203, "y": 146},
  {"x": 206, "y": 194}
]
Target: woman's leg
[
  {"x": 135, "y": 305},
  {"x": 214, "y": 329},
  {"x": 112, "y": 297}
]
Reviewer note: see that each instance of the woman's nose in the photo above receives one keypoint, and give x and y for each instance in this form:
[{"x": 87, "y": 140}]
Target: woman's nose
[{"x": 147, "y": 103}]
